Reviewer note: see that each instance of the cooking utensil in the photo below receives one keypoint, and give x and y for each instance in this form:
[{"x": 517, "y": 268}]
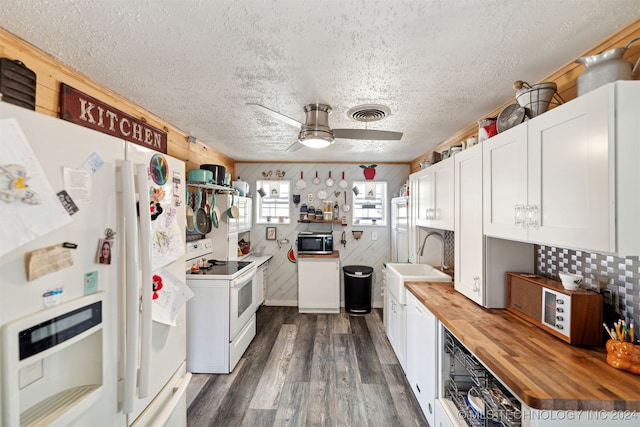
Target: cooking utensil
[
  {"x": 329, "y": 181},
  {"x": 316, "y": 180},
  {"x": 215, "y": 212},
  {"x": 606, "y": 67},
  {"x": 218, "y": 173},
  {"x": 200, "y": 216},
  {"x": 510, "y": 116},
  {"x": 190, "y": 221},
  {"x": 343, "y": 183},
  {"x": 200, "y": 175},
  {"x": 207, "y": 209},
  {"x": 301, "y": 185},
  {"x": 345, "y": 207},
  {"x": 536, "y": 98},
  {"x": 233, "y": 211}
]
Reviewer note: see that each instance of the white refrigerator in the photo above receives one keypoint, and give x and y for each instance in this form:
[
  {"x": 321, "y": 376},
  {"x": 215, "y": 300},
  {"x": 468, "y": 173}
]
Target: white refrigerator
[
  {"x": 85, "y": 341},
  {"x": 399, "y": 229}
]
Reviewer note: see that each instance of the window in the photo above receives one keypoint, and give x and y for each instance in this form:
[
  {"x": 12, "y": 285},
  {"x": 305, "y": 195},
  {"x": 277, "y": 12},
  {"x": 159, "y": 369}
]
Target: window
[
  {"x": 370, "y": 203},
  {"x": 273, "y": 207}
]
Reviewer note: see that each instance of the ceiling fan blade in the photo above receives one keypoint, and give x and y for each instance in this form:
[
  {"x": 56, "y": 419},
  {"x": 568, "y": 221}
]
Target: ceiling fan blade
[
  {"x": 369, "y": 134},
  {"x": 294, "y": 147},
  {"x": 276, "y": 115}
]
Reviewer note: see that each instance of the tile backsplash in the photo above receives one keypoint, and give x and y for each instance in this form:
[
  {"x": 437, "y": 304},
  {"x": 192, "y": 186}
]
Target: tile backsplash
[{"x": 621, "y": 275}]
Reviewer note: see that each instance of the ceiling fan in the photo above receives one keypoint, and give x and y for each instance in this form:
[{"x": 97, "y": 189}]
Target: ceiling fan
[{"x": 316, "y": 133}]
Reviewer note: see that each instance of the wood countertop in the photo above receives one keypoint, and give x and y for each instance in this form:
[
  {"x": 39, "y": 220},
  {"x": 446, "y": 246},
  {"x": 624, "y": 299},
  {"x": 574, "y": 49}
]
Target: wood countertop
[{"x": 543, "y": 371}]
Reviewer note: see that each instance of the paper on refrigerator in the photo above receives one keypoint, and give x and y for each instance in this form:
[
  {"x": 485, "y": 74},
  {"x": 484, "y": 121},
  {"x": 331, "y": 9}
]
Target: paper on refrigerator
[
  {"x": 29, "y": 207},
  {"x": 170, "y": 298}
]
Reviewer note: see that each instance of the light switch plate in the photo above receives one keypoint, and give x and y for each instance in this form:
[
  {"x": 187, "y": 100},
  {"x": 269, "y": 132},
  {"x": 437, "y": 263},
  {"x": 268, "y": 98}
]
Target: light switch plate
[{"x": 374, "y": 235}]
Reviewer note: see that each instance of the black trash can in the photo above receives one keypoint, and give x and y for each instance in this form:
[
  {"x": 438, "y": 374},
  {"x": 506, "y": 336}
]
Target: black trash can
[{"x": 357, "y": 288}]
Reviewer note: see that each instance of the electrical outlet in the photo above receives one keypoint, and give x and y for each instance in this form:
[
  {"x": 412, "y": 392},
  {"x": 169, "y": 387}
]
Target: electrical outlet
[{"x": 374, "y": 235}]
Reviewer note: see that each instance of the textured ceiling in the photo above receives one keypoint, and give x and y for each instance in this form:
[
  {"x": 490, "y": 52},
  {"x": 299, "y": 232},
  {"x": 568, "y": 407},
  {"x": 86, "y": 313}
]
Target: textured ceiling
[{"x": 438, "y": 65}]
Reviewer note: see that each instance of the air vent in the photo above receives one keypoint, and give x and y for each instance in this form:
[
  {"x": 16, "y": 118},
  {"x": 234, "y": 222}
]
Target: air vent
[{"x": 368, "y": 113}]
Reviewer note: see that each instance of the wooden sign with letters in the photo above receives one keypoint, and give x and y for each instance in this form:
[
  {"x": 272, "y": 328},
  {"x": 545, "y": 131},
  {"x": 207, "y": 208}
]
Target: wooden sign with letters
[{"x": 84, "y": 110}]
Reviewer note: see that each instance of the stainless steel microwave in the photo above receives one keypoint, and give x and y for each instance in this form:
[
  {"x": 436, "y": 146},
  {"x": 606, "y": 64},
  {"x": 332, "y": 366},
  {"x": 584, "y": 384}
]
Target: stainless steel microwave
[{"x": 315, "y": 243}]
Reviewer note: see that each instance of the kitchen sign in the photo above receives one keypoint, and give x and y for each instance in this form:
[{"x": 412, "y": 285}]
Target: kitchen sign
[{"x": 84, "y": 110}]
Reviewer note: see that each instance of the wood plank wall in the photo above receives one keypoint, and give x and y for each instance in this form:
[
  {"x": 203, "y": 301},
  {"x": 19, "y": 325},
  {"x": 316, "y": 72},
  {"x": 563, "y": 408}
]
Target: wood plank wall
[
  {"x": 50, "y": 73},
  {"x": 565, "y": 78}
]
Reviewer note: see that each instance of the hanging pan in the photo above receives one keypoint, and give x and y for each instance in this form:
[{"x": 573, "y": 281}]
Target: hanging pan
[
  {"x": 329, "y": 181},
  {"x": 343, "y": 183},
  {"x": 345, "y": 207},
  {"x": 200, "y": 216},
  {"x": 301, "y": 185},
  {"x": 214, "y": 211}
]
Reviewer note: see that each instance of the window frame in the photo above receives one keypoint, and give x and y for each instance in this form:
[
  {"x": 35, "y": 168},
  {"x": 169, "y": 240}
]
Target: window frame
[
  {"x": 279, "y": 205},
  {"x": 380, "y": 199}
]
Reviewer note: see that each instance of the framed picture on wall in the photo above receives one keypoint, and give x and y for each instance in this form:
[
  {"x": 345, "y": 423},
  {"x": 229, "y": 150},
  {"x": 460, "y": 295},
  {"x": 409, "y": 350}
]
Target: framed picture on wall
[{"x": 271, "y": 233}]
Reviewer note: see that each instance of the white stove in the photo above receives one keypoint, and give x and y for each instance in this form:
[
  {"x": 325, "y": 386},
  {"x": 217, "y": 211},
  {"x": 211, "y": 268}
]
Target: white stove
[
  {"x": 200, "y": 264},
  {"x": 221, "y": 315}
]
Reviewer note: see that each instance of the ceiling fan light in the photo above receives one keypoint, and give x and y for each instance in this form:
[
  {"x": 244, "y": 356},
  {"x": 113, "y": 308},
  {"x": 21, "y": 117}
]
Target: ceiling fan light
[
  {"x": 315, "y": 142},
  {"x": 315, "y": 138}
]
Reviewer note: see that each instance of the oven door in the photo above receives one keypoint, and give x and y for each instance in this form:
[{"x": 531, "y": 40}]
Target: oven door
[{"x": 241, "y": 301}]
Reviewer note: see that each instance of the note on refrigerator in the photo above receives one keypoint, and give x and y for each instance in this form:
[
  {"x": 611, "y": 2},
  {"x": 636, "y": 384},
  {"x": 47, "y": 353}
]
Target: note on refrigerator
[
  {"x": 170, "y": 294},
  {"x": 29, "y": 207}
]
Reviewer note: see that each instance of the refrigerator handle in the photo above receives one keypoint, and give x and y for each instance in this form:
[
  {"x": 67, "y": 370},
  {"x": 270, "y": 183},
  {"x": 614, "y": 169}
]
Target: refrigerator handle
[
  {"x": 131, "y": 286},
  {"x": 147, "y": 283},
  {"x": 169, "y": 407}
]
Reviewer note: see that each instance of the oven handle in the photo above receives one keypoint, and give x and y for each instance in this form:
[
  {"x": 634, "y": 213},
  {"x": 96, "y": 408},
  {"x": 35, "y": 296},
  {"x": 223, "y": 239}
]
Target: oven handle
[{"x": 241, "y": 280}]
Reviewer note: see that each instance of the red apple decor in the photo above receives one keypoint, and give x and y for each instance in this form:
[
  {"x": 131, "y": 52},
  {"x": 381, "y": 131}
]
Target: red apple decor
[{"x": 369, "y": 171}]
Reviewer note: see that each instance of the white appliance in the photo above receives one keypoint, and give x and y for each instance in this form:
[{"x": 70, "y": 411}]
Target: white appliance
[
  {"x": 221, "y": 316},
  {"x": 399, "y": 229},
  {"x": 115, "y": 366}
]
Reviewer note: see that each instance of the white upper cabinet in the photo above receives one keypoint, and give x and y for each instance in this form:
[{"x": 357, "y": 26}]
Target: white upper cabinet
[
  {"x": 565, "y": 177},
  {"x": 433, "y": 195},
  {"x": 469, "y": 239},
  {"x": 505, "y": 183}
]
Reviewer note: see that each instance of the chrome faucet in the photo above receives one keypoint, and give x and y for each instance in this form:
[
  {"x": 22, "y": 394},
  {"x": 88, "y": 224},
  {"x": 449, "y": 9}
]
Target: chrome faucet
[{"x": 443, "y": 266}]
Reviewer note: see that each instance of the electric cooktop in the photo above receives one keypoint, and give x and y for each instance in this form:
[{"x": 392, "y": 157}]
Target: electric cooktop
[{"x": 220, "y": 268}]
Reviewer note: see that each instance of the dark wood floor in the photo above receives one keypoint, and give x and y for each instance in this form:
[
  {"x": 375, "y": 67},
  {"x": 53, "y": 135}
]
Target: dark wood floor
[{"x": 309, "y": 370}]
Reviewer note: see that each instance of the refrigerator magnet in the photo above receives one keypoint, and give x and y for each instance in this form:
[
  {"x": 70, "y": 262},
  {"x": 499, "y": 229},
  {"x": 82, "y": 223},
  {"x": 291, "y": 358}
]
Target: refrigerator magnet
[{"x": 105, "y": 251}]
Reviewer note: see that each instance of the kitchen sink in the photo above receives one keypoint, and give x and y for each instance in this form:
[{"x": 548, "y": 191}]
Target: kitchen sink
[{"x": 398, "y": 273}]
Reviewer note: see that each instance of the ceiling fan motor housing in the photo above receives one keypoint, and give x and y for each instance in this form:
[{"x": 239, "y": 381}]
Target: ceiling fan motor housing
[{"x": 316, "y": 125}]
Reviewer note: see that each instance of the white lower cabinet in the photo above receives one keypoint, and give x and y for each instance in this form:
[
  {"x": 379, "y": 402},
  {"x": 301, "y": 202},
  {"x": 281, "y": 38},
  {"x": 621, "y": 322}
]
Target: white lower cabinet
[
  {"x": 319, "y": 284},
  {"x": 422, "y": 353},
  {"x": 397, "y": 328},
  {"x": 259, "y": 284}
]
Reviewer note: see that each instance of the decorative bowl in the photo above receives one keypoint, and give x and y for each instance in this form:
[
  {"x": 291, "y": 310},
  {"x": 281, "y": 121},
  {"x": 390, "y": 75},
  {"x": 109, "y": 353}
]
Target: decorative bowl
[{"x": 570, "y": 281}]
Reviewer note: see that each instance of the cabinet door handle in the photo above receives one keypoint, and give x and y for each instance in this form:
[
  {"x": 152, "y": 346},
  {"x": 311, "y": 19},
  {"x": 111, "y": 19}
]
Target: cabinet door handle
[
  {"x": 532, "y": 216},
  {"x": 518, "y": 216}
]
